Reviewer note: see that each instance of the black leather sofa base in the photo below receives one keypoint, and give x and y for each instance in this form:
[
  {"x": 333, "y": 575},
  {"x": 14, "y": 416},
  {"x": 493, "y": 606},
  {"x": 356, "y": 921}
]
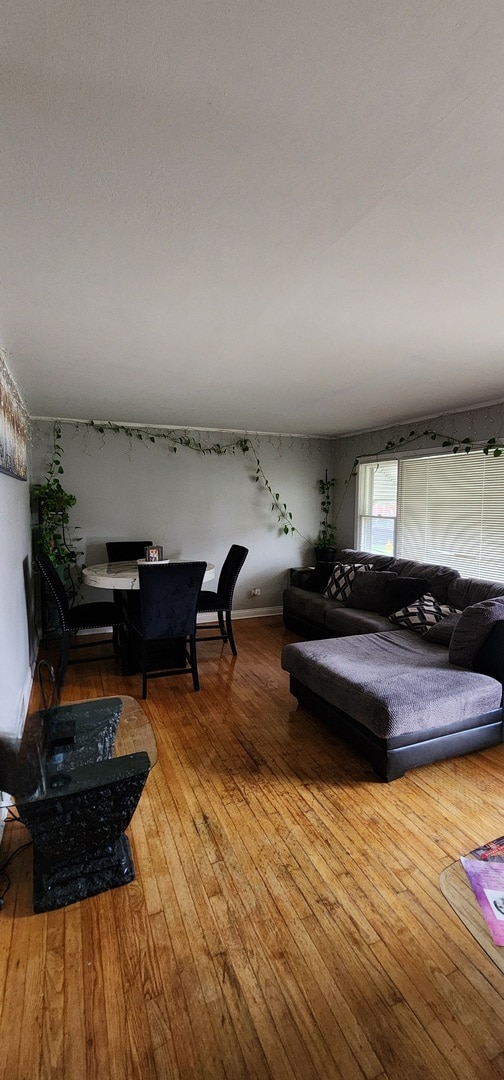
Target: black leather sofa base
[{"x": 391, "y": 758}]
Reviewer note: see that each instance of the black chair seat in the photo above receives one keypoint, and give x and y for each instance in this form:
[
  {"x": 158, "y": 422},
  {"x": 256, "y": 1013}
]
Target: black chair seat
[
  {"x": 92, "y": 616},
  {"x": 209, "y": 601},
  {"x": 99, "y": 616},
  {"x": 221, "y": 601}
]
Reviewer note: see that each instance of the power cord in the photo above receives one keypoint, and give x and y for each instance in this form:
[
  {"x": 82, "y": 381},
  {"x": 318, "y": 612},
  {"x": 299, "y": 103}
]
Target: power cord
[
  {"x": 42, "y": 667},
  {"x": 4, "y": 866}
]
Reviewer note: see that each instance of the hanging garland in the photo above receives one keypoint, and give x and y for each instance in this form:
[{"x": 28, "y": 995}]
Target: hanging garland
[
  {"x": 243, "y": 444},
  {"x": 492, "y": 446},
  {"x": 52, "y": 496}
]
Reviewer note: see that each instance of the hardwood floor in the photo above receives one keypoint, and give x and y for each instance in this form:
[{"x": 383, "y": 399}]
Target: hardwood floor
[{"x": 286, "y": 919}]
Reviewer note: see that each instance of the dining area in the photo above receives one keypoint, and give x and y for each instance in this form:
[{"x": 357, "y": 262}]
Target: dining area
[{"x": 159, "y": 612}]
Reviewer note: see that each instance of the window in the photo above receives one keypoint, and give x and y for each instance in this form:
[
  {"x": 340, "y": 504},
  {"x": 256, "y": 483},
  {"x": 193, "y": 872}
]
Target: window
[
  {"x": 378, "y": 506},
  {"x": 445, "y": 508}
]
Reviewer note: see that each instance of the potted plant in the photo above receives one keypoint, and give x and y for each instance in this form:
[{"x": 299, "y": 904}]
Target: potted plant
[
  {"x": 50, "y": 534},
  {"x": 325, "y": 544}
]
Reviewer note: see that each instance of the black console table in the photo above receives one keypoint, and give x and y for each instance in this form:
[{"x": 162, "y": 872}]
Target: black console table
[{"x": 76, "y": 780}]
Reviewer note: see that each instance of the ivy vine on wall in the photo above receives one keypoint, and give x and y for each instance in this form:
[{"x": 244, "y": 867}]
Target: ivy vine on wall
[
  {"x": 55, "y": 501},
  {"x": 492, "y": 446},
  {"x": 173, "y": 441}
]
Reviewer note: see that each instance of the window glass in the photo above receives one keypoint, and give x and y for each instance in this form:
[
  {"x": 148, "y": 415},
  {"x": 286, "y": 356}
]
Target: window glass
[{"x": 446, "y": 508}]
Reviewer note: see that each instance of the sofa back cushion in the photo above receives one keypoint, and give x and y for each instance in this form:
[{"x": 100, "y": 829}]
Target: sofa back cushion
[
  {"x": 378, "y": 562},
  {"x": 439, "y": 577},
  {"x": 464, "y": 592}
]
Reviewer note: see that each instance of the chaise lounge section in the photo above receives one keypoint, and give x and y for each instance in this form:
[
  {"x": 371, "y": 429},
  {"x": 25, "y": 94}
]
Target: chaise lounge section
[{"x": 407, "y": 696}]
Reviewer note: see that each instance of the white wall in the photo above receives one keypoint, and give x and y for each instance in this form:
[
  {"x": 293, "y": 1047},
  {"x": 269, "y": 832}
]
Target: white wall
[
  {"x": 194, "y": 505},
  {"x": 17, "y": 646},
  {"x": 477, "y": 424}
]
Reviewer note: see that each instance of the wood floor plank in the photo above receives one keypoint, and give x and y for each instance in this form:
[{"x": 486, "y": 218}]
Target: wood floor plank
[{"x": 285, "y": 919}]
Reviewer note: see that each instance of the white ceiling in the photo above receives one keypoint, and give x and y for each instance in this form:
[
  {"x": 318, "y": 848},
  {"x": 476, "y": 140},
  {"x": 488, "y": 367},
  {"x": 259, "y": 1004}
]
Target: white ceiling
[{"x": 279, "y": 216}]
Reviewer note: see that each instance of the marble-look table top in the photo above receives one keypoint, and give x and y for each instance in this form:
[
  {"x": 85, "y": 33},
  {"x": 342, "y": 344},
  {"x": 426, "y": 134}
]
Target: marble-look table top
[{"x": 124, "y": 575}]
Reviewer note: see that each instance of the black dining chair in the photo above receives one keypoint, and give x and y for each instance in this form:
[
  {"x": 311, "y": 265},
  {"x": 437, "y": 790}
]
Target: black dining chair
[
  {"x": 89, "y": 616},
  {"x": 166, "y": 621},
  {"x": 126, "y": 550},
  {"x": 221, "y": 601},
  {"x": 126, "y": 602}
]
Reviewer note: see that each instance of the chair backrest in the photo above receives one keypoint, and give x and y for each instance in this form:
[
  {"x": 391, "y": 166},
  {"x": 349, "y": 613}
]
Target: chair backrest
[
  {"x": 126, "y": 550},
  {"x": 169, "y": 598},
  {"x": 51, "y": 576},
  {"x": 228, "y": 576}
]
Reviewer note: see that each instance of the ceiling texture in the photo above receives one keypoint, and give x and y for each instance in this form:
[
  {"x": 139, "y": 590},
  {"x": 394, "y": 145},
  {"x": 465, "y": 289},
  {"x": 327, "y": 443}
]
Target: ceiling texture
[{"x": 263, "y": 216}]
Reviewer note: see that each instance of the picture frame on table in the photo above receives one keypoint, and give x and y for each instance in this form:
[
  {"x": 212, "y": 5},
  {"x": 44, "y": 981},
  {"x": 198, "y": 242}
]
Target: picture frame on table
[{"x": 153, "y": 553}]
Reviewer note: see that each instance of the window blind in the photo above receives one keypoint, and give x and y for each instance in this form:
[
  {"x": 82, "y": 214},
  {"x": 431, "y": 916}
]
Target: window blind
[{"x": 451, "y": 511}]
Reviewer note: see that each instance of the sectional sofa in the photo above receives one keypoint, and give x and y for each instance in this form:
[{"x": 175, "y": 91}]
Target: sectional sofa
[{"x": 405, "y": 659}]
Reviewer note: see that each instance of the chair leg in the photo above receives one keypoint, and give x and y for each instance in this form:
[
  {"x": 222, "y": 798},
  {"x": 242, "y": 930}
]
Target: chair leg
[
  {"x": 118, "y": 604},
  {"x": 220, "y": 616},
  {"x": 64, "y": 657},
  {"x": 230, "y": 632},
  {"x": 194, "y": 661},
  {"x": 144, "y": 670}
]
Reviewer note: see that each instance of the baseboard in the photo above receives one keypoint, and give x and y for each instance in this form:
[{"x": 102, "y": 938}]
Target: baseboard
[
  {"x": 242, "y": 613},
  {"x": 238, "y": 613}
]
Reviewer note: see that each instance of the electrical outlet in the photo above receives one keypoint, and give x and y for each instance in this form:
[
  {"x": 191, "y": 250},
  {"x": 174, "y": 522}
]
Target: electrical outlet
[{"x": 255, "y": 592}]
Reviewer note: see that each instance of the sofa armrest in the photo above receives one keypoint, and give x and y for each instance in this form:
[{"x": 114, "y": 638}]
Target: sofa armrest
[{"x": 490, "y": 658}]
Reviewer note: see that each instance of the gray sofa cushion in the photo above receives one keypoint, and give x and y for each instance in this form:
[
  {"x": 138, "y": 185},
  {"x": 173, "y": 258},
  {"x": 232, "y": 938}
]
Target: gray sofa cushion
[
  {"x": 464, "y": 592},
  {"x": 472, "y": 630},
  {"x": 394, "y": 683},
  {"x": 380, "y": 562},
  {"x": 439, "y": 577},
  {"x": 345, "y": 621},
  {"x": 307, "y": 605}
]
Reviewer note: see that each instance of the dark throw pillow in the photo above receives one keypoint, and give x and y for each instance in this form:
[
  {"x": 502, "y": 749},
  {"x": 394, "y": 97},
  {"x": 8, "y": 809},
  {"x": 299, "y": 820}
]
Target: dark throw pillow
[
  {"x": 320, "y": 576},
  {"x": 441, "y": 632},
  {"x": 472, "y": 630},
  {"x": 369, "y": 590},
  {"x": 401, "y": 592}
]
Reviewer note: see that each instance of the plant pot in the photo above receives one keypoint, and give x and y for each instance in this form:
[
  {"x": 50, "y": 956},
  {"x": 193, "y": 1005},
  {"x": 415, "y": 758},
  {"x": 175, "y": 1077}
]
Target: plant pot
[{"x": 325, "y": 554}]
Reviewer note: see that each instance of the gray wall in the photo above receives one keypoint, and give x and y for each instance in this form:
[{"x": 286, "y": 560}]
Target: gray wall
[
  {"x": 477, "y": 424},
  {"x": 16, "y": 644},
  {"x": 194, "y": 505}
]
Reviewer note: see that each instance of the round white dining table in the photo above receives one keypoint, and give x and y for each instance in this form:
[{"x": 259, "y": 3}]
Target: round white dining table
[{"x": 124, "y": 575}]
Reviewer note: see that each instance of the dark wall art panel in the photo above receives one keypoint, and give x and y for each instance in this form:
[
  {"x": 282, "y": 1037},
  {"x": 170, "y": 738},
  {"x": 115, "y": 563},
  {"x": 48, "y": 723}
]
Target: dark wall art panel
[{"x": 13, "y": 426}]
